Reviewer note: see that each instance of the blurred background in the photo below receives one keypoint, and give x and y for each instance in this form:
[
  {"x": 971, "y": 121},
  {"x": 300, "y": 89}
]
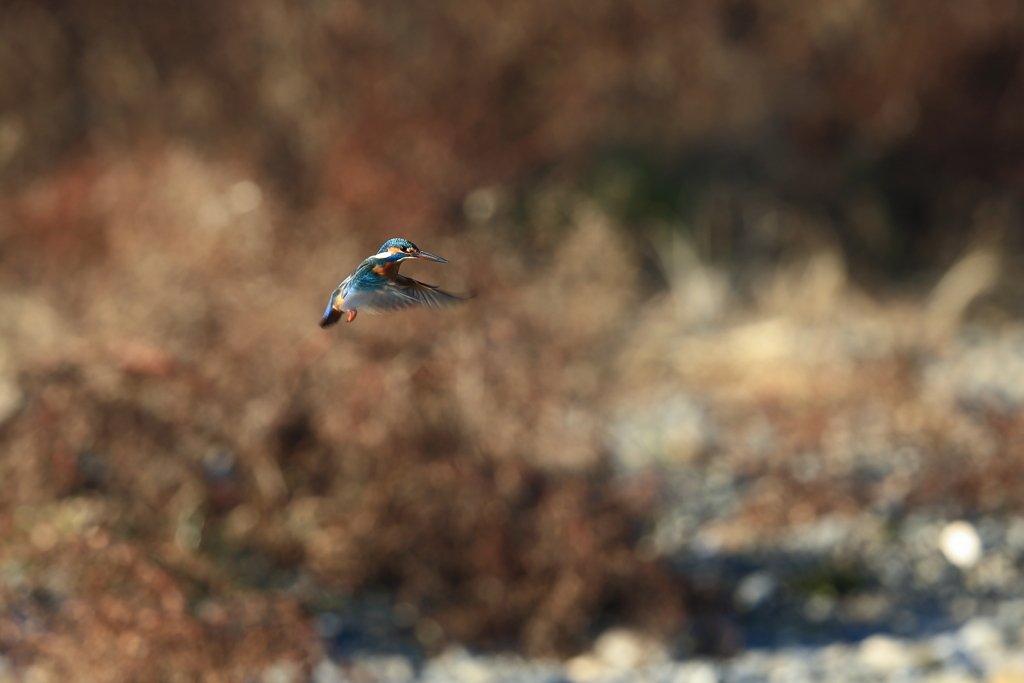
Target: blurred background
[{"x": 738, "y": 397}]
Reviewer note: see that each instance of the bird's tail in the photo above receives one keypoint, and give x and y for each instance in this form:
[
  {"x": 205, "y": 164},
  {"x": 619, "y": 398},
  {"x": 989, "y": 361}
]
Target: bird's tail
[{"x": 331, "y": 316}]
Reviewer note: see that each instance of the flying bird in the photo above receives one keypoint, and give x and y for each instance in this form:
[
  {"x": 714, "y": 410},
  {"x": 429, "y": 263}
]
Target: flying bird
[{"x": 376, "y": 286}]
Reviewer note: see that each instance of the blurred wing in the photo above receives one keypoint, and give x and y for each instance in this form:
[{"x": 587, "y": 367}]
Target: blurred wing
[
  {"x": 427, "y": 295},
  {"x": 403, "y": 293}
]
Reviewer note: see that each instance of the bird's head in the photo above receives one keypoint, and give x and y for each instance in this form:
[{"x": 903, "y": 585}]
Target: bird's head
[{"x": 397, "y": 250}]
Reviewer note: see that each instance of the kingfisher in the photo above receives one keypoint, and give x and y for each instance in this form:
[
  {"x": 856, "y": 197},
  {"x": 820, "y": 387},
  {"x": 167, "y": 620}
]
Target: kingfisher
[{"x": 376, "y": 286}]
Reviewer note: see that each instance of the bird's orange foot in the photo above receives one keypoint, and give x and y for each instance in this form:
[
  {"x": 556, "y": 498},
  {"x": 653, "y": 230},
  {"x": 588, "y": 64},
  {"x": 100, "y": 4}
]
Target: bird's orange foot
[{"x": 351, "y": 316}]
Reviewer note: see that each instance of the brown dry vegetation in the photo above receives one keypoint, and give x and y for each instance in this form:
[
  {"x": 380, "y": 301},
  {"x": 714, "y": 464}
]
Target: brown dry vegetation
[{"x": 182, "y": 185}]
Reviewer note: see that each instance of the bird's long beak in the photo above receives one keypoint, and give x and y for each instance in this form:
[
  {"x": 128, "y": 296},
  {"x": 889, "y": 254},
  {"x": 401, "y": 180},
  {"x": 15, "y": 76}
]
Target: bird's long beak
[{"x": 431, "y": 257}]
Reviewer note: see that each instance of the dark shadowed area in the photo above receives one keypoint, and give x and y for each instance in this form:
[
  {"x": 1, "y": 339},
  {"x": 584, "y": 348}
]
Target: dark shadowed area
[{"x": 745, "y": 353}]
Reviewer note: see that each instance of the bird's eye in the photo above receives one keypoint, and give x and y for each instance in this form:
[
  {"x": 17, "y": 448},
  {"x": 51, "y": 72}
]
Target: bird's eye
[{"x": 407, "y": 250}]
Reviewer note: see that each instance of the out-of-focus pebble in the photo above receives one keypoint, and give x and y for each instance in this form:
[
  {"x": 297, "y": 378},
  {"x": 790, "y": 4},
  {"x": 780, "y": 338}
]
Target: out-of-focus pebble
[
  {"x": 754, "y": 589},
  {"x": 283, "y": 671},
  {"x": 960, "y": 543},
  {"x": 982, "y": 638},
  {"x": 616, "y": 652},
  {"x": 327, "y": 671},
  {"x": 585, "y": 668},
  {"x": 696, "y": 672},
  {"x": 624, "y": 649},
  {"x": 398, "y": 669},
  {"x": 885, "y": 655}
]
